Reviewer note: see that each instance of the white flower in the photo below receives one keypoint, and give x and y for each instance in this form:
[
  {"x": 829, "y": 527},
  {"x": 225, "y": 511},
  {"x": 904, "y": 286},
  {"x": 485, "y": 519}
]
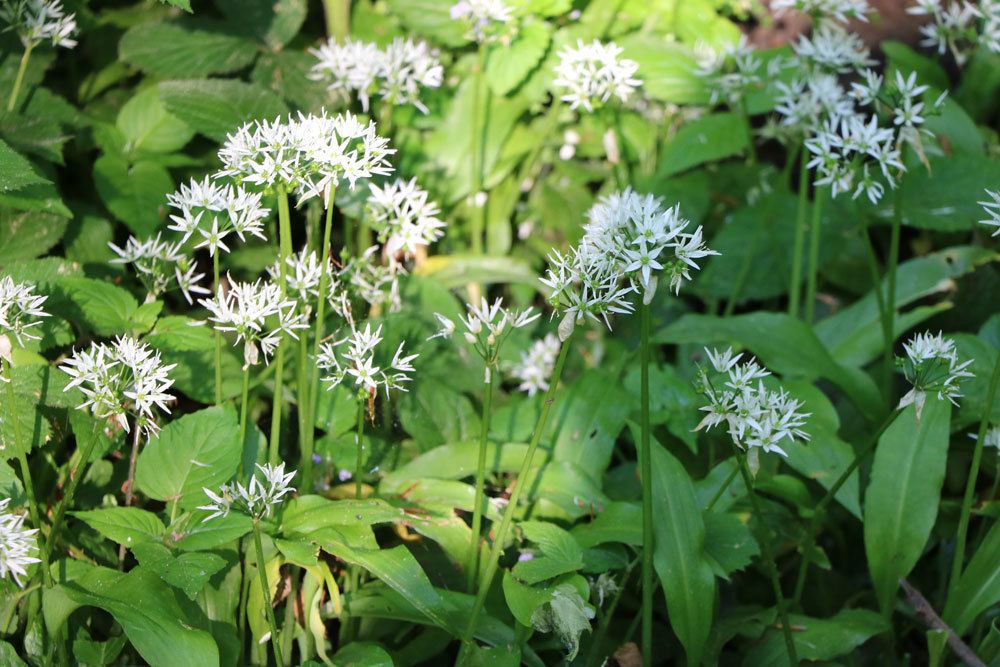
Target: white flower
[
  {"x": 992, "y": 209},
  {"x": 487, "y": 327},
  {"x": 375, "y": 284},
  {"x": 841, "y": 10},
  {"x": 402, "y": 217},
  {"x": 594, "y": 73},
  {"x": 16, "y": 544},
  {"x": 353, "y": 359},
  {"x": 215, "y": 210},
  {"x": 159, "y": 265},
  {"x": 37, "y": 21},
  {"x": 447, "y": 327},
  {"x": 347, "y": 67},
  {"x": 20, "y": 310},
  {"x": 484, "y": 18},
  {"x": 932, "y": 365},
  {"x": 407, "y": 67},
  {"x": 731, "y": 72},
  {"x": 124, "y": 379},
  {"x": 536, "y": 365},
  {"x": 267, "y": 489},
  {"x": 959, "y": 26},
  {"x": 833, "y": 48}
]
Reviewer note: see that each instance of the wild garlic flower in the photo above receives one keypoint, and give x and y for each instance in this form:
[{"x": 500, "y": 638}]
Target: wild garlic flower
[
  {"x": 839, "y": 10},
  {"x": 485, "y": 20},
  {"x": 959, "y": 26},
  {"x": 303, "y": 272},
  {"x": 536, "y": 365},
  {"x": 267, "y": 489},
  {"x": 804, "y": 103},
  {"x": 931, "y": 364},
  {"x": 310, "y": 154},
  {"x": 258, "y": 314},
  {"x": 353, "y": 359},
  {"x": 398, "y": 74},
  {"x": 487, "y": 327},
  {"x": 160, "y": 265},
  {"x": 834, "y": 49},
  {"x": 20, "y": 312},
  {"x": 402, "y": 217},
  {"x": 732, "y": 72},
  {"x": 376, "y": 284},
  {"x": 120, "y": 380},
  {"x": 37, "y": 21},
  {"x": 758, "y": 419},
  {"x": 215, "y": 210},
  {"x": 592, "y": 74},
  {"x": 992, "y": 438},
  {"x": 16, "y": 544},
  {"x": 992, "y": 209}
]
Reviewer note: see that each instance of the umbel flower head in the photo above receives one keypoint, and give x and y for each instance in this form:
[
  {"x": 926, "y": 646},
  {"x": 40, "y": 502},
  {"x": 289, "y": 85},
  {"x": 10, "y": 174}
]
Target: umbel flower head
[
  {"x": 536, "y": 365},
  {"x": 214, "y": 211},
  {"x": 124, "y": 379},
  {"x": 258, "y": 314},
  {"x": 267, "y": 489},
  {"x": 992, "y": 209},
  {"x": 628, "y": 241},
  {"x": 931, "y": 365},
  {"x": 16, "y": 544},
  {"x": 833, "y": 49},
  {"x": 37, "y": 21},
  {"x": 959, "y": 26},
  {"x": 838, "y": 10},
  {"x": 20, "y": 312},
  {"x": 757, "y": 418},
  {"x": 364, "y": 278},
  {"x": 309, "y": 154},
  {"x": 592, "y": 74},
  {"x": 485, "y": 20},
  {"x": 353, "y": 359},
  {"x": 732, "y": 72},
  {"x": 160, "y": 265},
  {"x": 403, "y": 217}
]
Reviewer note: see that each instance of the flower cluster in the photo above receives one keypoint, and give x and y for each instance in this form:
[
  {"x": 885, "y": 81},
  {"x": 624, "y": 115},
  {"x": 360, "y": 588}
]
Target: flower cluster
[
  {"x": 627, "y": 237},
  {"x": 376, "y": 284},
  {"x": 258, "y": 314},
  {"x": 959, "y": 26},
  {"x": 485, "y": 20},
  {"x": 536, "y": 365},
  {"x": 310, "y": 154},
  {"x": 121, "y": 380},
  {"x": 594, "y": 73},
  {"x": 931, "y": 364},
  {"x": 265, "y": 491},
  {"x": 20, "y": 312},
  {"x": 16, "y": 544},
  {"x": 398, "y": 74},
  {"x": 732, "y": 72},
  {"x": 403, "y": 217},
  {"x": 216, "y": 211},
  {"x": 992, "y": 209},
  {"x": 160, "y": 265},
  {"x": 757, "y": 418},
  {"x": 37, "y": 21},
  {"x": 840, "y": 10},
  {"x": 833, "y": 49},
  {"x": 354, "y": 357},
  {"x": 487, "y": 327}
]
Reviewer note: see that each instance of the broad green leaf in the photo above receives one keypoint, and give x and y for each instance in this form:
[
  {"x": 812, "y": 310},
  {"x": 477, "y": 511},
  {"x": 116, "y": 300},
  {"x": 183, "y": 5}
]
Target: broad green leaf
[
  {"x": 10, "y": 486},
  {"x": 559, "y": 553},
  {"x": 619, "y": 522},
  {"x": 362, "y": 654},
  {"x": 134, "y": 193},
  {"x": 729, "y": 542},
  {"x": 188, "y": 571},
  {"x": 307, "y": 514},
  {"x": 184, "y": 342},
  {"x": 89, "y": 652},
  {"x": 431, "y": 18},
  {"x": 96, "y": 305},
  {"x": 454, "y": 271},
  {"x": 216, "y": 107},
  {"x": 15, "y": 171},
  {"x": 274, "y": 22},
  {"x": 199, "y": 535},
  {"x": 679, "y": 556},
  {"x": 974, "y": 389},
  {"x": 819, "y": 638},
  {"x": 666, "y": 68},
  {"x": 197, "y": 451},
  {"x": 26, "y": 235},
  {"x": 707, "y": 139},
  {"x": 978, "y": 588},
  {"x": 147, "y": 126},
  {"x": 567, "y": 614},
  {"x": 35, "y": 132},
  {"x": 170, "y": 50},
  {"x": 508, "y": 66},
  {"x": 183, "y": 4},
  {"x": 939, "y": 199},
  {"x": 124, "y": 525},
  {"x": 586, "y": 421},
  {"x": 901, "y": 502},
  {"x": 430, "y": 426},
  {"x": 906, "y": 60}
]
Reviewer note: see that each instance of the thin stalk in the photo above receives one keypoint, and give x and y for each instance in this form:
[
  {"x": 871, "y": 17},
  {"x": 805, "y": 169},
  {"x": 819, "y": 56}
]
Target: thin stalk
[
  {"x": 492, "y": 563},
  {"x": 772, "y": 569},
  {"x": 130, "y": 481},
  {"x": 19, "y": 79},
  {"x": 324, "y": 253},
  {"x": 646, "y": 476},
  {"x": 722, "y": 489},
  {"x": 285, "y": 250},
  {"x": 338, "y": 18},
  {"x": 359, "y": 435},
  {"x": 78, "y": 473},
  {"x": 477, "y": 509},
  {"x": 22, "y": 459},
  {"x": 889, "y": 324},
  {"x": 266, "y": 593},
  {"x": 970, "y": 484},
  {"x": 475, "y": 157},
  {"x": 244, "y": 404},
  {"x": 302, "y": 378},
  {"x": 795, "y": 286},
  {"x": 806, "y": 546},
  {"x": 218, "y": 334},
  {"x": 981, "y": 533},
  {"x": 813, "y": 275},
  {"x": 751, "y": 149}
]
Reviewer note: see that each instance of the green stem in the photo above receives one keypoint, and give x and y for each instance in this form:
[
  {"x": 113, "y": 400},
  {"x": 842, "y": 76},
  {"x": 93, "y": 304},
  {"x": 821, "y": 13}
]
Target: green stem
[
  {"x": 889, "y": 325},
  {"x": 19, "y": 79},
  {"x": 475, "y": 156},
  {"x": 324, "y": 255},
  {"x": 359, "y": 435},
  {"x": 646, "y": 476},
  {"x": 218, "y": 334},
  {"x": 302, "y": 378},
  {"x": 285, "y": 251},
  {"x": 806, "y": 546},
  {"x": 814, "y": 235},
  {"x": 130, "y": 481},
  {"x": 970, "y": 484},
  {"x": 751, "y": 149},
  {"x": 477, "y": 509},
  {"x": 338, "y": 18},
  {"x": 265, "y": 591},
  {"x": 244, "y": 405},
  {"x": 772, "y": 569},
  {"x": 500, "y": 537},
  {"x": 722, "y": 489},
  {"x": 75, "y": 477},
  {"x": 795, "y": 286}
]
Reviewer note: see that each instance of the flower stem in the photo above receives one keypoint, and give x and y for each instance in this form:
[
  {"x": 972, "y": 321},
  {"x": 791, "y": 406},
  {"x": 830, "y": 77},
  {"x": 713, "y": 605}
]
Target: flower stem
[
  {"x": 130, "y": 481},
  {"x": 244, "y": 404},
  {"x": 970, "y": 483},
  {"x": 889, "y": 320},
  {"x": 266, "y": 594},
  {"x": 338, "y": 18},
  {"x": 359, "y": 435},
  {"x": 765, "y": 544},
  {"x": 75, "y": 477},
  {"x": 477, "y": 508},
  {"x": 475, "y": 155},
  {"x": 19, "y": 79},
  {"x": 814, "y": 234},
  {"x": 492, "y": 563},
  {"x": 795, "y": 287},
  {"x": 218, "y": 334},
  {"x": 285, "y": 251},
  {"x": 313, "y": 397},
  {"x": 751, "y": 149},
  {"x": 722, "y": 489},
  {"x": 646, "y": 476}
]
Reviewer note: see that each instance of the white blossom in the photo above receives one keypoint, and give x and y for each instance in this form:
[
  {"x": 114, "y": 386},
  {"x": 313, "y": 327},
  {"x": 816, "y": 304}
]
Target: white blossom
[
  {"x": 959, "y": 26},
  {"x": 487, "y": 326},
  {"x": 376, "y": 284},
  {"x": 731, "y": 72},
  {"x": 37, "y": 21},
  {"x": 215, "y": 210},
  {"x": 160, "y": 265},
  {"x": 403, "y": 217},
  {"x": 20, "y": 311},
  {"x": 931, "y": 364},
  {"x": 16, "y": 544},
  {"x": 592, "y": 74},
  {"x": 486, "y": 20},
  {"x": 840, "y": 10},
  {"x": 352, "y": 359},
  {"x": 536, "y": 365},
  {"x": 992, "y": 209},
  {"x": 834, "y": 49},
  {"x": 267, "y": 489},
  {"x": 408, "y": 67}
]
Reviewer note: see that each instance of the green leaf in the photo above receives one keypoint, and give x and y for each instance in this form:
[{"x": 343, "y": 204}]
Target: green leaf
[
  {"x": 560, "y": 553},
  {"x": 35, "y": 132},
  {"x": 431, "y": 18},
  {"x": 192, "y": 348},
  {"x": 216, "y": 107},
  {"x": 183, "y": 4},
  {"x": 679, "y": 556},
  {"x": 307, "y": 514},
  {"x": 819, "y": 638},
  {"x": 978, "y": 588},
  {"x": 197, "y": 451},
  {"x": 98, "y": 305},
  {"x": 431, "y": 427},
  {"x": 26, "y": 235},
  {"x": 124, "y": 525},
  {"x": 667, "y": 69},
  {"x": 15, "y": 171},
  {"x": 619, "y": 522},
  {"x": 188, "y": 571},
  {"x": 729, "y": 542},
  {"x": 362, "y": 654},
  {"x": 453, "y": 271},
  {"x": 508, "y": 66},
  {"x": 134, "y": 193},
  {"x": 901, "y": 502},
  {"x": 170, "y": 50},
  {"x": 939, "y": 199},
  {"x": 586, "y": 421},
  {"x": 146, "y": 125},
  {"x": 274, "y": 22},
  {"x": 566, "y": 614},
  {"x": 220, "y": 531},
  {"x": 707, "y": 139},
  {"x": 10, "y": 486},
  {"x": 906, "y": 60}
]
